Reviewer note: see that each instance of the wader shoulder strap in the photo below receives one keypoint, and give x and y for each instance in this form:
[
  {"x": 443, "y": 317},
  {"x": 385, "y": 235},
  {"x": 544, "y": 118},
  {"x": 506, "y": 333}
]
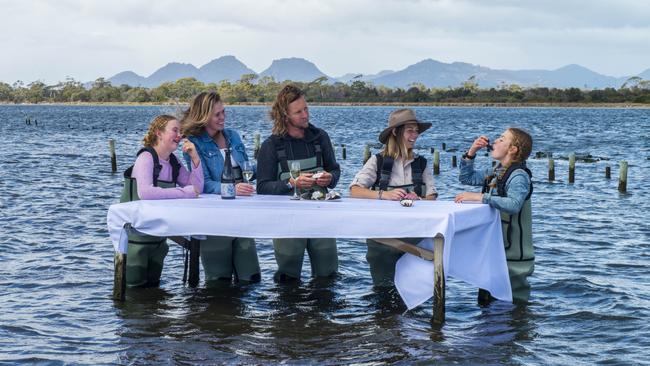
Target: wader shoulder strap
[
  {"x": 501, "y": 182},
  {"x": 176, "y": 168},
  {"x": 319, "y": 154},
  {"x": 282, "y": 154},
  {"x": 417, "y": 168},
  {"x": 384, "y": 170},
  {"x": 156, "y": 163},
  {"x": 283, "y": 158}
]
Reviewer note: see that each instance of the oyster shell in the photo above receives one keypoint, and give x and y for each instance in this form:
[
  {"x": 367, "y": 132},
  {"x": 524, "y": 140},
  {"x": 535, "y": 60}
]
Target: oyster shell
[
  {"x": 406, "y": 202},
  {"x": 317, "y": 195},
  {"x": 333, "y": 195}
]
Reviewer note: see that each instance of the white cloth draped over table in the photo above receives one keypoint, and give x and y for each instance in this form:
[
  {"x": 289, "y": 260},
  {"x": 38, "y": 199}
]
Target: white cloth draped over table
[{"x": 473, "y": 241}]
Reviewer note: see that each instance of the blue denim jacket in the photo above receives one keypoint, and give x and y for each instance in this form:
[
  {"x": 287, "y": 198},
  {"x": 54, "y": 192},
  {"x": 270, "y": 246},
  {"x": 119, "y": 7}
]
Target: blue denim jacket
[
  {"x": 212, "y": 160},
  {"x": 517, "y": 187}
]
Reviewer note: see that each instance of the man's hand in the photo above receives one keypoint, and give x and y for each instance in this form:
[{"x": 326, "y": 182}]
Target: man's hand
[{"x": 323, "y": 178}]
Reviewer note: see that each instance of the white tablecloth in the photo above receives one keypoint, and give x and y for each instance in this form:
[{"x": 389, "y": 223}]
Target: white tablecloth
[{"x": 473, "y": 241}]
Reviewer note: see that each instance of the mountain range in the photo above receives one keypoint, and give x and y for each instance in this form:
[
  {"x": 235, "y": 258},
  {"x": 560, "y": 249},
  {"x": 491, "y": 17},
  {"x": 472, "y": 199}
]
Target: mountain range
[{"x": 430, "y": 73}]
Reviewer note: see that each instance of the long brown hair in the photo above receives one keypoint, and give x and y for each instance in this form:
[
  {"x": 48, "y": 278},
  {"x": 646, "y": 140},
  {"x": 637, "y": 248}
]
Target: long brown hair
[
  {"x": 395, "y": 146},
  {"x": 159, "y": 123},
  {"x": 280, "y": 110},
  {"x": 196, "y": 117}
]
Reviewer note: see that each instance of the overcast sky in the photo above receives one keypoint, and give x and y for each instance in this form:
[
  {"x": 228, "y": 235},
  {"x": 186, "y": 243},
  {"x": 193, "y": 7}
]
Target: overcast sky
[{"x": 85, "y": 39}]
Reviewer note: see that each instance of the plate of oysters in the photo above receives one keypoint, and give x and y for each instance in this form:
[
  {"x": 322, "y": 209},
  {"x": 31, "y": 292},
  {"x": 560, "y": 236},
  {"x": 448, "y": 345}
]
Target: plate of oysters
[{"x": 320, "y": 196}]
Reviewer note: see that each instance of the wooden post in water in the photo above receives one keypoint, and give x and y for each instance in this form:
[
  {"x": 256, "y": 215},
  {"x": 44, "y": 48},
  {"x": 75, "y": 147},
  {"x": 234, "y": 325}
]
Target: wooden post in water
[
  {"x": 195, "y": 249},
  {"x": 343, "y": 153},
  {"x": 622, "y": 177},
  {"x": 453, "y": 161},
  {"x": 444, "y": 146},
  {"x": 572, "y": 168},
  {"x": 551, "y": 169},
  {"x": 366, "y": 153},
  {"x": 119, "y": 280},
  {"x": 438, "y": 281},
  {"x": 436, "y": 163},
  {"x": 256, "y": 144},
  {"x": 111, "y": 145},
  {"x": 608, "y": 172}
]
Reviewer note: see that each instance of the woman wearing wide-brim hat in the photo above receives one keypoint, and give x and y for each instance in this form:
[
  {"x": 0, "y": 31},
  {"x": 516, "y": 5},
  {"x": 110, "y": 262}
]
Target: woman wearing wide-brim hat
[{"x": 396, "y": 173}]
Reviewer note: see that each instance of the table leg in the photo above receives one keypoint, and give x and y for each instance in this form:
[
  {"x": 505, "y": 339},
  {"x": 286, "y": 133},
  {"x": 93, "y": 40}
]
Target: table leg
[
  {"x": 119, "y": 280},
  {"x": 195, "y": 249},
  {"x": 439, "y": 281}
]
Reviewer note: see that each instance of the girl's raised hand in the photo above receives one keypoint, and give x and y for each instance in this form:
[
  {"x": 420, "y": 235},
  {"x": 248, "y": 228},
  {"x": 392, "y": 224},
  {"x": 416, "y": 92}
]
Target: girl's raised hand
[
  {"x": 481, "y": 142},
  {"x": 190, "y": 149}
]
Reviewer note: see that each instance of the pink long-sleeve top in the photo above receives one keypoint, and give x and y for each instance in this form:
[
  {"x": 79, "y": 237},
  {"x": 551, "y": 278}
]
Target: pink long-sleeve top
[{"x": 143, "y": 174}]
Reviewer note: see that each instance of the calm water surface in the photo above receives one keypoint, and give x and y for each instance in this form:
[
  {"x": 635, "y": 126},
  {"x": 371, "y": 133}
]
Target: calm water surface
[{"x": 591, "y": 287}]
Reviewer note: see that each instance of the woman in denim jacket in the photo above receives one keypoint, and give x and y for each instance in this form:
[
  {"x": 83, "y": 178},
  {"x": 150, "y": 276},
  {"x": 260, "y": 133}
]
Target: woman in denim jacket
[
  {"x": 204, "y": 124},
  {"x": 508, "y": 188}
]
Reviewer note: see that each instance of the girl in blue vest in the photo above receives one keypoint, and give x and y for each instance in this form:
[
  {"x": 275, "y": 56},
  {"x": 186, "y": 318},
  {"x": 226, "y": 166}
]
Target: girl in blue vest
[{"x": 508, "y": 188}]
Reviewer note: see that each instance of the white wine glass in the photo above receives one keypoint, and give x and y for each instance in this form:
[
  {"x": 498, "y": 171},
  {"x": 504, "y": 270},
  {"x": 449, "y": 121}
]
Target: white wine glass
[
  {"x": 247, "y": 171},
  {"x": 295, "y": 173}
]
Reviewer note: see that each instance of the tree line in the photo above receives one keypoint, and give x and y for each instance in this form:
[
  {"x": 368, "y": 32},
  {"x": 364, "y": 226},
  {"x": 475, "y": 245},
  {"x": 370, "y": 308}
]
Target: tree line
[{"x": 252, "y": 89}]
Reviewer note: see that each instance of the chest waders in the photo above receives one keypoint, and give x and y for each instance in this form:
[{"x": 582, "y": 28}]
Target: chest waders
[
  {"x": 146, "y": 253},
  {"x": 385, "y": 169},
  {"x": 225, "y": 257},
  {"x": 289, "y": 253},
  {"x": 382, "y": 258},
  {"x": 518, "y": 238}
]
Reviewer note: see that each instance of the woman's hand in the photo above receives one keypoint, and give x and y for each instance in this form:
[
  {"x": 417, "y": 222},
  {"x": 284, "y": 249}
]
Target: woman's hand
[
  {"x": 244, "y": 189},
  {"x": 411, "y": 196},
  {"x": 394, "y": 195},
  {"x": 190, "y": 149},
  {"x": 481, "y": 142},
  {"x": 469, "y": 196}
]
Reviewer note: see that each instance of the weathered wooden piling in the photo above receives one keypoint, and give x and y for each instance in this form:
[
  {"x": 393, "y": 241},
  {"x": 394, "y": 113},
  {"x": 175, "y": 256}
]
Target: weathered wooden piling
[
  {"x": 572, "y": 168},
  {"x": 608, "y": 172},
  {"x": 343, "y": 153},
  {"x": 256, "y": 144},
  {"x": 111, "y": 146},
  {"x": 119, "y": 280},
  {"x": 453, "y": 161},
  {"x": 366, "y": 153},
  {"x": 551, "y": 169},
  {"x": 436, "y": 163},
  {"x": 438, "y": 280},
  {"x": 622, "y": 177}
]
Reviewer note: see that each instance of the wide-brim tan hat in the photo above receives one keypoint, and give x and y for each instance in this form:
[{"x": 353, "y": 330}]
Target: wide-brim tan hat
[{"x": 401, "y": 117}]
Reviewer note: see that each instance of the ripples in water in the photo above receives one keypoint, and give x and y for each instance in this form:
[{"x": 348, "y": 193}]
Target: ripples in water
[{"x": 590, "y": 300}]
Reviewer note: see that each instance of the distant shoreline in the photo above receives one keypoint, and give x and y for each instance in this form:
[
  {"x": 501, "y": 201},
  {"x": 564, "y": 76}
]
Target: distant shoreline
[{"x": 366, "y": 104}]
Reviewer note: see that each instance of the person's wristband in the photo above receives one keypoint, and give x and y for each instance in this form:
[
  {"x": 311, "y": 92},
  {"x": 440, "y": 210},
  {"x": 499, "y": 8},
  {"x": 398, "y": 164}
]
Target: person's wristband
[
  {"x": 468, "y": 157},
  {"x": 381, "y": 191}
]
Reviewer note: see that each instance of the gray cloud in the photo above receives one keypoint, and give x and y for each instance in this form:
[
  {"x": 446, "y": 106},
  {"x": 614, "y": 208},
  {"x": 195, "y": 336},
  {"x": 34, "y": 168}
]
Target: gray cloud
[{"x": 87, "y": 39}]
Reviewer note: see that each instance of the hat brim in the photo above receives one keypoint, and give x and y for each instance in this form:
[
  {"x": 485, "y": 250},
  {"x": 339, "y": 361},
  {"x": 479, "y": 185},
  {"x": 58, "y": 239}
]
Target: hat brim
[{"x": 422, "y": 126}]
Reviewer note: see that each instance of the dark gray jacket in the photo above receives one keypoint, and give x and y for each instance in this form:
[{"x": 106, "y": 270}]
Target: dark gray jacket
[{"x": 296, "y": 149}]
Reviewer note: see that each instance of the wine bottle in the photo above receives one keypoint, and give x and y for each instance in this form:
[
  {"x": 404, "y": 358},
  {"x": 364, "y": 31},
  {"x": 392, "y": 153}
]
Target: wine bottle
[{"x": 227, "y": 178}]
